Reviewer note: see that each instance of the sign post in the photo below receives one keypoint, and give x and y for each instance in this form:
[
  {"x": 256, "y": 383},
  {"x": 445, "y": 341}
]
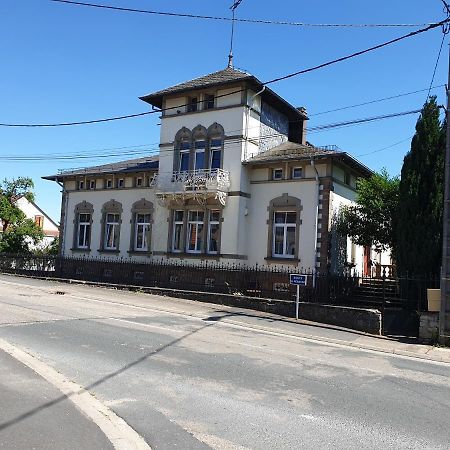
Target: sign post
[{"x": 297, "y": 280}]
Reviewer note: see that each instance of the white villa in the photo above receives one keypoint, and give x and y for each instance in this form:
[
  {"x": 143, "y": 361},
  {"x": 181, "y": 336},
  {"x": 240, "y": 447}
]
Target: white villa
[{"x": 235, "y": 181}]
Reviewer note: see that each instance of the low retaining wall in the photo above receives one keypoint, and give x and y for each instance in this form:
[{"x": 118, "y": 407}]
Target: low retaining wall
[
  {"x": 366, "y": 320},
  {"x": 429, "y": 327}
]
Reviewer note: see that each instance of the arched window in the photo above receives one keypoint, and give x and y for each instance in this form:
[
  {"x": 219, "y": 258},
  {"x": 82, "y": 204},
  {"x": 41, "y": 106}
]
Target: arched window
[
  {"x": 141, "y": 226},
  {"x": 182, "y": 150},
  {"x": 111, "y": 222},
  {"x": 215, "y": 146},
  {"x": 83, "y": 226},
  {"x": 199, "y": 139},
  {"x": 284, "y": 226}
]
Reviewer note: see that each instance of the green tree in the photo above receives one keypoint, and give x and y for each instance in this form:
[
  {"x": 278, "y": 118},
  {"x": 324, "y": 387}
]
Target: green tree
[
  {"x": 18, "y": 232},
  {"x": 419, "y": 225},
  {"x": 371, "y": 221}
]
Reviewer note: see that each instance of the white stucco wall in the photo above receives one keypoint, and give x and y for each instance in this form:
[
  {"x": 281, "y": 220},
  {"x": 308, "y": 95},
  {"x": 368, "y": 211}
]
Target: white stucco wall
[{"x": 258, "y": 215}]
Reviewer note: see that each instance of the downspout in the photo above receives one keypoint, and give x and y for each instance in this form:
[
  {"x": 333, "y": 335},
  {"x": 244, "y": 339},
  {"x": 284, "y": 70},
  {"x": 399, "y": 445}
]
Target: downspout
[
  {"x": 62, "y": 226},
  {"x": 247, "y": 118},
  {"x": 316, "y": 222}
]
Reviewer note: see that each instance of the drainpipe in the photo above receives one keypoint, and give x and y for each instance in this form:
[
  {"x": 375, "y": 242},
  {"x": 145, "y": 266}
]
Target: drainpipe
[
  {"x": 62, "y": 226},
  {"x": 316, "y": 224},
  {"x": 247, "y": 118}
]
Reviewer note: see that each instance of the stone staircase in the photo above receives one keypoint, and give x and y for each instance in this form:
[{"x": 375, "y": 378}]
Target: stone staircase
[{"x": 377, "y": 292}]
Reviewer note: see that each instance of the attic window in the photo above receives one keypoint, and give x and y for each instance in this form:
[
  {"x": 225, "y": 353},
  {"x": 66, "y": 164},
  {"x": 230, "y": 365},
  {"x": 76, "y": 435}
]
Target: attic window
[
  {"x": 109, "y": 183},
  {"x": 192, "y": 104},
  {"x": 297, "y": 172},
  {"x": 139, "y": 182},
  {"x": 120, "y": 183},
  {"x": 81, "y": 184},
  {"x": 209, "y": 101},
  {"x": 91, "y": 184},
  {"x": 347, "y": 178},
  {"x": 277, "y": 174}
]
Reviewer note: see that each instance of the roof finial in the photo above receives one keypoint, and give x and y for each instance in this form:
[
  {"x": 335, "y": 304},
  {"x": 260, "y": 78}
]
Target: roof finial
[{"x": 236, "y": 3}]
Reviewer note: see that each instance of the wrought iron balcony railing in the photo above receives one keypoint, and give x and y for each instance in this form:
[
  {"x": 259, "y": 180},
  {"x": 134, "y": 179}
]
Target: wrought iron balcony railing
[{"x": 199, "y": 184}]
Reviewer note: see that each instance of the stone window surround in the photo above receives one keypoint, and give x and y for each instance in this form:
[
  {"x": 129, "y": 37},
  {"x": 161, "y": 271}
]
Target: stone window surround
[
  {"x": 142, "y": 206},
  {"x": 215, "y": 131},
  {"x": 194, "y": 206},
  {"x": 110, "y": 207},
  {"x": 82, "y": 208},
  {"x": 281, "y": 204}
]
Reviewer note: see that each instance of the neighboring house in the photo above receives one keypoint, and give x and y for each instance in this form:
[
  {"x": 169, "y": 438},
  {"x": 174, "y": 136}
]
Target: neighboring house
[
  {"x": 40, "y": 218},
  {"x": 235, "y": 181}
]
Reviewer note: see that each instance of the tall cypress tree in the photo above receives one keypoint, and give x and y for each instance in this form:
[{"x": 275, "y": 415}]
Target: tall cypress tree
[{"x": 419, "y": 223}]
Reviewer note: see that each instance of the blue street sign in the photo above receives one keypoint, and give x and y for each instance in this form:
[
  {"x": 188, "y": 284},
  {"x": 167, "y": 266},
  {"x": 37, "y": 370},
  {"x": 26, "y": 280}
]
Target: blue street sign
[{"x": 299, "y": 280}]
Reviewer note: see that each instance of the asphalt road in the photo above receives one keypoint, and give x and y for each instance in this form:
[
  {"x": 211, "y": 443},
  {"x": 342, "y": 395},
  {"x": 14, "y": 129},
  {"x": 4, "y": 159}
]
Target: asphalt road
[{"x": 187, "y": 375}]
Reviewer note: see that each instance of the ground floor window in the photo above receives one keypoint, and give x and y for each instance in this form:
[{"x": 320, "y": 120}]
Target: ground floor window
[
  {"x": 284, "y": 232},
  {"x": 213, "y": 231},
  {"x": 112, "y": 225},
  {"x": 178, "y": 224},
  {"x": 84, "y": 230},
  {"x": 142, "y": 228},
  {"x": 195, "y": 231}
]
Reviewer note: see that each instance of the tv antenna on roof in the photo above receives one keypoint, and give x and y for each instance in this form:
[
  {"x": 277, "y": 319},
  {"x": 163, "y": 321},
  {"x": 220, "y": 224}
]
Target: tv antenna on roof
[{"x": 233, "y": 8}]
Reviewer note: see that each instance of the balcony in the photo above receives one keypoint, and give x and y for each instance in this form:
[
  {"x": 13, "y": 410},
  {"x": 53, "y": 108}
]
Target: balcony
[{"x": 196, "y": 184}]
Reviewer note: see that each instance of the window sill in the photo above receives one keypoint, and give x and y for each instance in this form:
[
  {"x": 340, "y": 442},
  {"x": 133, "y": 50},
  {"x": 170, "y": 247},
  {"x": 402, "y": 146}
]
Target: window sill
[
  {"x": 137, "y": 252},
  {"x": 275, "y": 260},
  {"x": 81, "y": 250},
  {"x": 193, "y": 255},
  {"x": 105, "y": 250}
]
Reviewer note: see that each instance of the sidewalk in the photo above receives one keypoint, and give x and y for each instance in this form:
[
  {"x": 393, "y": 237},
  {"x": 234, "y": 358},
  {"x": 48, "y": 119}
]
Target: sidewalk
[{"x": 36, "y": 415}]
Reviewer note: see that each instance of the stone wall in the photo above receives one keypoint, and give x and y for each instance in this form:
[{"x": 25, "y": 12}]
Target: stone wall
[{"x": 429, "y": 326}]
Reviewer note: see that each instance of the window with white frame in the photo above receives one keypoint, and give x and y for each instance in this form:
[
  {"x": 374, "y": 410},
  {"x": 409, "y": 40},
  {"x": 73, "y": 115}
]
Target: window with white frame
[
  {"x": 185, "y": 149},
  {"x": 139, "y": 182},
  {"x": 120, "y": 183},
  {"x": 109, "y": 183},
  {"x": 213, "y": 231},
  {"x": 177, "y": 234},
  {"x": 284, "y": 234},
  {"x": 91, "y": 184},
  {"x": 112, "y": 225},
  {"x": 195, "y": 231},
  {"x": 199, "y": 147},
  {"x": 277, "y": 174},
  {"x": 142, "y": 227},
  {"x": 84, "y": 230},
  {"x": 215, "y": 153},
  {"x": 209, "y": 101},
  {"x": 297, "y": 172},
  {"x": 80, "y": 184}
]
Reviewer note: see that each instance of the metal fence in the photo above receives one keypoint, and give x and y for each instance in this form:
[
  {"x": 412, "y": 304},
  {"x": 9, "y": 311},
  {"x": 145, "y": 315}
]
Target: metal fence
[{"x": 256, "y": 281}]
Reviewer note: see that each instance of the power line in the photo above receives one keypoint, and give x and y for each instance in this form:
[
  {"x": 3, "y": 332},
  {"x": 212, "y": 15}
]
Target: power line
[
  {"x": 375, "y": 101},
  {"x": 361, "y": 52},
  {"x": 385, "y": 148},
  {"x": 275, "y": 80},
  {"x": 437, "y": 63},
  {"x": 256, "y": 21}
]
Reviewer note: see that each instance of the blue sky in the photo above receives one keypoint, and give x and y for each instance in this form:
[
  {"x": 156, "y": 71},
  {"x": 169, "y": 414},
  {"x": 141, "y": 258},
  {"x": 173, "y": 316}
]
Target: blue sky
[{"x": 69, "y": 63}]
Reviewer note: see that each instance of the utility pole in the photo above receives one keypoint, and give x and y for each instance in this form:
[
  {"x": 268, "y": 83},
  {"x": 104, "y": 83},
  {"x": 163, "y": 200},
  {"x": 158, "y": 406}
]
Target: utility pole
[{"x": 444, "y": 315}]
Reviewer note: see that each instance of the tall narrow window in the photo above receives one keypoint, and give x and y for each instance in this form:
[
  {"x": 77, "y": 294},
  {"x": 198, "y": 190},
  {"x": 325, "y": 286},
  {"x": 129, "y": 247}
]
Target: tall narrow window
[
  {"x": 177, "y": 238},
  {"x": 209, "y": 101},
  {"x": 284, "y": 231},
  {"x": 213, "y": 231},
  {"x": 84, "y": 230},
  {"x": 39, "y": 221},
  {"x": 195, "y": 232},
  {"x": 185, "y": 149},
  {"x": 112, "y": 231},
  {"x": 199, "y": 154},
  {"x": 215, "y": 153},
  {"x": 142, "y": 227},
  {"x": 192, "y": 104}
]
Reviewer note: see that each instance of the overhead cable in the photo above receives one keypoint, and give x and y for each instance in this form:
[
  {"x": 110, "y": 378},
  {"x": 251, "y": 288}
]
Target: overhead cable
[
  {"x": 275, "y": 80},
  {"x": 256, "y": 21}
]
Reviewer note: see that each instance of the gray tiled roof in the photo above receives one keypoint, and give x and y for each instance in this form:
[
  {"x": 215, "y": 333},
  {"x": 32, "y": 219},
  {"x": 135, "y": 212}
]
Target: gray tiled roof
[
  {"x": 224, "y": 76},
  {"x": 291, "y": 150},
  {"x": 130, "y": 165}
]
